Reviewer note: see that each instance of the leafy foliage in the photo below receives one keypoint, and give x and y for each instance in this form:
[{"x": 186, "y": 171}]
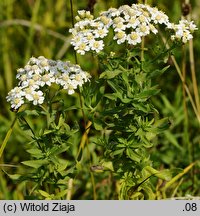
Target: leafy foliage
[{"x": 126, "y": 135}]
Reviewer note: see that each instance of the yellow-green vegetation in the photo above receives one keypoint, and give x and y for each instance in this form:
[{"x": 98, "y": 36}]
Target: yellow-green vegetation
[{"x": 131, "y": 132}]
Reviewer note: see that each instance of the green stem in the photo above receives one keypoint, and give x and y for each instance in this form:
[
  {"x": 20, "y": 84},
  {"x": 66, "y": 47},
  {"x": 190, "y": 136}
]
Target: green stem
[
  {"x": 142, "y": 49},
  {"x": 40, "y": 147},
  {"x": 93, "y": 186},
  {"x": 70, "y": 188},
  {"x": 192, "y": 65},
  {"x": 193, "y": 73},
  {"x": 30, "y": 40},
  {"x": 182, "y": 80},
  {"x": 72, "y": 19},
  {"x": 85, "y": 135},
  {"x": 7, "y": 136},
  {"x": 186, "y": 121}
]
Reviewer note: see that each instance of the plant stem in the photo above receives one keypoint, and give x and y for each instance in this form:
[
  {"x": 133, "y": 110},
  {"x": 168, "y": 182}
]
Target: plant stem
[
  {"x": 7, "y": 136},
  {"x": 70, "y": 187},
  {"x": 93, "y": 186},
  {"x": 186, "y": 139},
  {"x": 72, "y": 19},
  {"x": 31, "y": 29},
  {"x": 84, "y": 139},
  {"x": 193, "y": 73},
  {"x": 40, "y": 147},
  {"x": 182, "y": 80},
  {"x": 76, "y": 61},
  {"x": 142, "y": 49},
  {"x": 186, "y": 88}
]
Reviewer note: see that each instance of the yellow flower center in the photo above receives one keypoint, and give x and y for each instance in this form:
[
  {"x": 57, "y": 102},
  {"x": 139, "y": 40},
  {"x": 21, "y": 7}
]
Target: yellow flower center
[
  {"x": 96, "y": 44},
  {"x": 120, "y": 35},
  {"x": 36, "y": 77},
  {"x": 78, "y": 77},
  {"x": 45, "y": 78},
  {"x": 65, "y": 77},
  {"x": 82, "y": 46},
  {"x": 133, "y": 36},
  {"x": 16, "y": 100},
  {"x": 36, "y": 96}
]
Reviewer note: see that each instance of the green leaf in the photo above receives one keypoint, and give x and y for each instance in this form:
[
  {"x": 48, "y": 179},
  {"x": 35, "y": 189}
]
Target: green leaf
[
  {"x": 115, "y": 87},
  {"x": 149, "y": 135},
  {"x": 46, "y": 132},
  {"x": 147, "y": 188},
  {"x": 44, "y": 193},
  {"x": 178, "y": 176},
  {"x": 140, "y": 78},
  {"x": 111, "y": 96},
  {"x": 14, "y": 176},
  {"x": 98, "y": 124},
  {"x": 28, "y": 113},
  {"x": 108, "y": 165},
  {"x": 157, "y": 72},
  {"x": 133, "y": 155},
  {"x": 110, "y": 74},
  {"x": 146, "y": 94},
  {"x": 35, "y": 163},
  {"x": 172, "y": 139},
  {"x": 117, "y": 152},
  {"x": 141, "y": 107},
  {"x": 35, "y": 152},
  {"x": 58, "y": 150},
  {"x": 160, "y": 125},
  {"x": 163, "y": 174},
  {"x": 61, "y": 194}
]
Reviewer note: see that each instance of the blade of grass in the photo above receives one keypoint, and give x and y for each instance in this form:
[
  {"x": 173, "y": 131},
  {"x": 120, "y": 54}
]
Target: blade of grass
[
  {"x": 8, "y": 76},
  {"x": 182, "y": 80},
  {"x": 5, "y": 141},
  {"x": 70, "y": 188},
  {"x": 30, "y": 36},
  {"x": 192, "y": 64},
  {"x": 176, "y": 178},
  {"x": 37, "y": 27}
]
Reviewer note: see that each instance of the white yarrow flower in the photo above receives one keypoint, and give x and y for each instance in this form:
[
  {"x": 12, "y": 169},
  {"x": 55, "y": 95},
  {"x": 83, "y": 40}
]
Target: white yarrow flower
[
  {"x": 96, "y": 45},
  {"x": 134, "y": 38},
  {"x": 120, "y": 37},
  {"x": 40, "y": 73}
]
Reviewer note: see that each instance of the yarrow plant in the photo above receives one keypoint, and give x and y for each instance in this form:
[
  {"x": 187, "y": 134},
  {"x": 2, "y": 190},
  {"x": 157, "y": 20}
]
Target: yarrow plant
[
  {"x": 126, "y": 112},
  {"x": 116, "y": 106}
]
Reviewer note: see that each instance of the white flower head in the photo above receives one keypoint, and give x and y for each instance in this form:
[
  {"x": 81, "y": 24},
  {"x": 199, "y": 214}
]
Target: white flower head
[
  {"x": 17, "y": 102},
  {"x": 182, "y": 31},
  {"x": 138, "y": 18},
  {"x": 120, "y": 36},
  {"x": 133, "y": 22},
  {"x": 40, "y": 73},
  {"x": 96, "y": 45},
  {"x": 100, "y": 33},
  {"x": 134, "y": 38},
  {"x": 82, "y": 47},
  {"x": 47, "y": 79},
  {"x": 36, "y": 97}
]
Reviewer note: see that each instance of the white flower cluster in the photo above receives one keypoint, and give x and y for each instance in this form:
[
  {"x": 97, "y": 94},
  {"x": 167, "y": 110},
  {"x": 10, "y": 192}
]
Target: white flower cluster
[
  {"x": 129, "y": 24},
  {"x": 41, "y": 72},
  {"x": 183, "y": 30}
]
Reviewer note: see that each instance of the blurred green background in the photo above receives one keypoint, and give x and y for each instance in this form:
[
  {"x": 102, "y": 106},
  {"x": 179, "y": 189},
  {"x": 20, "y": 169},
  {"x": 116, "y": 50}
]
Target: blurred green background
[{"x": 40, "y": 27}]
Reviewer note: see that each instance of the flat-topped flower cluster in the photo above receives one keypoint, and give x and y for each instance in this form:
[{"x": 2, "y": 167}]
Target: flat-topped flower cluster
[
  {"x": 129, "y": 24},
  {"x": 40, "y": 73}
]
